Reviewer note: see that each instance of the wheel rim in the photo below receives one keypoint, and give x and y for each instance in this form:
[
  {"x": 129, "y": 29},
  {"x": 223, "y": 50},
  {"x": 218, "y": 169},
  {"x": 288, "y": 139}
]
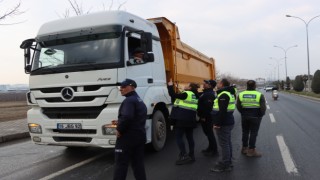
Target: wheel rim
[{"x": 161, "y": 129}]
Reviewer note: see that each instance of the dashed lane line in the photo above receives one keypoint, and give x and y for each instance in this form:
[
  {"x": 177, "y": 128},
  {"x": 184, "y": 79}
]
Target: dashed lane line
[
  {"x": 268, "y": 107},
  {"x": 286, "y": 156},
  {"x": 273, "y": 120},
  {"x": 63, "y": 171}
]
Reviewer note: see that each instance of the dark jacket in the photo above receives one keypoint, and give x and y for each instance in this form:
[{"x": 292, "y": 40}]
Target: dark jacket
[
  {"x": 181, "y": 117},
  {"x": 252, "y": 112},
  {"x": 205, "y": 103},
  {"x": 132, "y": 115},
  {"x": 223, "y": 117}
]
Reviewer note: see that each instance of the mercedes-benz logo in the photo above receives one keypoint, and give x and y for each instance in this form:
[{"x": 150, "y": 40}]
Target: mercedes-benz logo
[{"x": 67, "y": 94}]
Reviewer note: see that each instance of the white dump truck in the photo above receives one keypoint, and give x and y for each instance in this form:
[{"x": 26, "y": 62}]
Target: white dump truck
[{"x": 76, "y": 65}]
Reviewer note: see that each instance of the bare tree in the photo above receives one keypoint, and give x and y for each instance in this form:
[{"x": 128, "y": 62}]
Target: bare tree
[
  {"x": 77, "y": 8},
  {"x": 121, "y": 4},
  {"x": 110, "y": 6},
  {"x": 15, "y": 11}
]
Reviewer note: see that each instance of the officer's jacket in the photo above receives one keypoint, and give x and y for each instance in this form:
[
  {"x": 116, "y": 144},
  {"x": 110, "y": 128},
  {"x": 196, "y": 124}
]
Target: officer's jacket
[
  {"x": 251, "y": 103},
  {"x": 183, "y": 113},
  {"x": 132, "y": 115},
  {"x": 224, "y": 106},
  {"x": 205, "y": 103}
]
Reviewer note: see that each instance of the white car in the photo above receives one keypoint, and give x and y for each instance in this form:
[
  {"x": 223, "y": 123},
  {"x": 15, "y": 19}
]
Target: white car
[{"x": 268, "y": 88}]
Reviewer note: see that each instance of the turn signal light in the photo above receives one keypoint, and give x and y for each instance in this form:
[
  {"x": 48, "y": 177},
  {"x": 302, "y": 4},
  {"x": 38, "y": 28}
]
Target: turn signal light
[{"x": 35, "y": 128}]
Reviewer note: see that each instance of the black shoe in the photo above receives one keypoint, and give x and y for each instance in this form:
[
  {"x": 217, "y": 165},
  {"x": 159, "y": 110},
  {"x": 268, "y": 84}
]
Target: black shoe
[
  {"x": 185, "y": 159},
  {"x": 205, "y": 150},
  {"x": 193, "y": 159},
  {"x": 211, "y": 153},
  {"x": 221, "y": 168}
]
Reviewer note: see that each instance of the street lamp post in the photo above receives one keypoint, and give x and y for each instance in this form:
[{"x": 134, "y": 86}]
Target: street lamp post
[
  {"x": 273, "y": 71},
  {"x": 285, "y": 56},
  {"x": 307, "y": 32},
  {"x": 278, "y": 61}
]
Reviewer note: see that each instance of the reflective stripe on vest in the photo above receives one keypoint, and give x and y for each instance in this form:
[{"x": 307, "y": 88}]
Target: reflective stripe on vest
[
  {"x": 232, "y": 102},
  {"x": 250, "y": 99},
  {"x": 190, "y": 103}
]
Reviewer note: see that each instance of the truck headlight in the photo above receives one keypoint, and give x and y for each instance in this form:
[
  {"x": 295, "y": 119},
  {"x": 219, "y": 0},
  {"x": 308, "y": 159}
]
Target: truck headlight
[
  {"x": 35, "y": 128},
  {"x": 110, "y": 129}
]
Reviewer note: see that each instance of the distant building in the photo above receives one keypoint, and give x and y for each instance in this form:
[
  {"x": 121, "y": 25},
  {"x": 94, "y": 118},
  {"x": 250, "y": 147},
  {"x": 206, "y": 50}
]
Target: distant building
[
  {"x": 261, "y": 81},
  {"x": 13, "y": 87},
  {"x": 4, "y": 87}
]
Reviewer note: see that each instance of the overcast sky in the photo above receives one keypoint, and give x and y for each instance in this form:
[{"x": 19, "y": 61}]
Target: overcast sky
[{"x": 240, "y": 35}]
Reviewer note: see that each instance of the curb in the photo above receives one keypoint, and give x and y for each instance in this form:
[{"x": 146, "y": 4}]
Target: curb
[
  {"x": 12, "y": 137},
  {"x": 307, "y": 97}
]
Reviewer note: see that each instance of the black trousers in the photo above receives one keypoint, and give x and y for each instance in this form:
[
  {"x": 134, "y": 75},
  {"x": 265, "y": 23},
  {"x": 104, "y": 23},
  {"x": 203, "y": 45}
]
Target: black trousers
[
  {"x": 250, "y": 128},
  {"x": 224, "y": 137},
  {"x": 129, "y": 149},
  {"x": 188, "y": 131},
  {"x": 207, "y": 127}
]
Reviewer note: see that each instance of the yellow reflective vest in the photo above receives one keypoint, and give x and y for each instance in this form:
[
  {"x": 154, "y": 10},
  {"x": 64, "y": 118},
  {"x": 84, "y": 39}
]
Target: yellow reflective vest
[
  {"x": 190, "y": 103},
  {"x": 250, "y": 99},
  {"x": 232, "y": 101}
]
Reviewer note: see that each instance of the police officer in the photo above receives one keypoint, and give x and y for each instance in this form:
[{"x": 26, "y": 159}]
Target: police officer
[
  {"x": 235, "y": 89},
  {"x": 205, "y": 105},
  {"x": 223, "y": 108},
  {"x": 252, "y": 106},
  {"x": 131, "y": 134},
  {"x": 183, "y": 115}
]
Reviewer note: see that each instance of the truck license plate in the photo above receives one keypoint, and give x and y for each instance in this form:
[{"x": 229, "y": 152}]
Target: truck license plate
[{"x": 69, "y": 126}]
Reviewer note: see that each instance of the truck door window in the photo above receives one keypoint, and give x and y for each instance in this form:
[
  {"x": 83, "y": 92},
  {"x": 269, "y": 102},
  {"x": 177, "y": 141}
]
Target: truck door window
[{"x": 135, "y": 51}]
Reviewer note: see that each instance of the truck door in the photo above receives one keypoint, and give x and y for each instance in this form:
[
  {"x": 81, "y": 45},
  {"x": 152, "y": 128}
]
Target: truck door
[{"x": 137, "y": 68}]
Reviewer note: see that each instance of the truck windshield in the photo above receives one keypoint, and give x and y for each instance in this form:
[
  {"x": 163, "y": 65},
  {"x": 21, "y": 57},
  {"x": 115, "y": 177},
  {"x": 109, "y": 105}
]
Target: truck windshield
[{"x": 89, "y": 52}]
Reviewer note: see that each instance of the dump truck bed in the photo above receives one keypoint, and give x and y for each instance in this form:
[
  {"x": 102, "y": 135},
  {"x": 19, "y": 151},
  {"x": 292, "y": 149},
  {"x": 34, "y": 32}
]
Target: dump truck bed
[{"x": 183, "y": 63}]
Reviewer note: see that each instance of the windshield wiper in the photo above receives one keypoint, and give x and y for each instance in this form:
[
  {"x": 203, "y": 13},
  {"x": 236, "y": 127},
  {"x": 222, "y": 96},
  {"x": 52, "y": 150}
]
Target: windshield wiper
[
  {"x": 45, "y": 68},
  {"x": 94, "y": 65}
]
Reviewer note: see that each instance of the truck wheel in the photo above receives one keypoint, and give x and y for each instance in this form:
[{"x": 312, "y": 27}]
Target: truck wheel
[{"x": 159, "y": 131}]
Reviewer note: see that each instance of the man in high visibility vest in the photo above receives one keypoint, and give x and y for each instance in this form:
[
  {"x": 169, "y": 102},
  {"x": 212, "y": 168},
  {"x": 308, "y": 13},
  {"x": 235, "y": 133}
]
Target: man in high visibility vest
[
  {"x": 252, "y": 106},
  {"x": 223, "y": 108}
]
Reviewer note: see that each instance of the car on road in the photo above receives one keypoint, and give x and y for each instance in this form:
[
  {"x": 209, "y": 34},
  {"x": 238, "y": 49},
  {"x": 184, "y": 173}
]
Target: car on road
[{"x": 268, "y": 88}]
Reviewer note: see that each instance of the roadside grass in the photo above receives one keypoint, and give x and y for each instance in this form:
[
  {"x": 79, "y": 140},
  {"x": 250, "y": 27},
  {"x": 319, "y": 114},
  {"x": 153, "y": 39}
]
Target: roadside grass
[
  {"x": 310, "y": 94},
  {"x": 13, "y": 110}
]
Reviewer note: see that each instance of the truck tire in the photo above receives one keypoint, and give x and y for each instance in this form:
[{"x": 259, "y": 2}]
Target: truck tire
[{"x": 158, "y": 131}]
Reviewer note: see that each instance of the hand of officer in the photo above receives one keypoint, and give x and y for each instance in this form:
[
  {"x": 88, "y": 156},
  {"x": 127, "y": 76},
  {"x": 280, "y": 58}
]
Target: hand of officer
[
  {"x": 118, "y": 134},
  {"x": 216, "y": 127},
  {"x": 170, "y": 83},
  {"x": 203, "y": 119}
]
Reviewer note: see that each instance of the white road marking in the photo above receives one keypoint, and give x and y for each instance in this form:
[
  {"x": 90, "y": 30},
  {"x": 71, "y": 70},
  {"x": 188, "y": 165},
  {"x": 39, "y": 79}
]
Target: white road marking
[
  {"x": 286, "y": 156},
  {"x": 58, "y": 173},
  {"x": 268, "y": 107},
  {"x": 273, "y": 120}
]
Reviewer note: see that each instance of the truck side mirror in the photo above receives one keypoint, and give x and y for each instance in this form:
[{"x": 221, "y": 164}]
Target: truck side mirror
[
  {"x": 27, "y": 69},
  {"x": 149, "y": 57},
  {"x": 27, "y": 58},
  {"x": 27, "y": 45},
  {"x": 146, "y": 41}
]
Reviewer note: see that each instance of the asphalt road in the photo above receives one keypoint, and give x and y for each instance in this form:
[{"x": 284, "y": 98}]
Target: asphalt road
[{"x": 288, "y": 138}]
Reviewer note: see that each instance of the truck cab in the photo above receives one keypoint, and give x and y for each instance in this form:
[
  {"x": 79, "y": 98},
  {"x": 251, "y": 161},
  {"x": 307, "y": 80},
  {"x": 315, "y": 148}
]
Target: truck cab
[{"x": 75, "y": 68}]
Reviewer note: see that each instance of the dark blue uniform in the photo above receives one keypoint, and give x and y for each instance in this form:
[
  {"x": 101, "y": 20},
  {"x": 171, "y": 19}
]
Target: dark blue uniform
[
  {"x": 205, "y": 105},
  {"x": 130, "y": 145}
]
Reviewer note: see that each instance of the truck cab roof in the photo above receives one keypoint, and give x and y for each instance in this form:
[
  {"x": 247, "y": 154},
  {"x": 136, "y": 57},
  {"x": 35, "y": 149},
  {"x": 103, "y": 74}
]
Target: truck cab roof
[{"x": 89, "y": 23}]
